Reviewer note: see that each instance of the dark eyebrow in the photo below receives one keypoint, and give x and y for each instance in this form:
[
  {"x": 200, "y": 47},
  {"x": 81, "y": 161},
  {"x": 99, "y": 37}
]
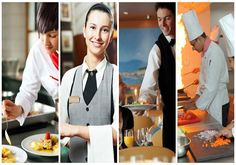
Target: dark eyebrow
[{"x": 165, "y": 16}]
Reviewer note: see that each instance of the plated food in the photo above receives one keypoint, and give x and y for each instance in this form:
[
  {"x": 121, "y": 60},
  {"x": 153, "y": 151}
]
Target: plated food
[
  {"x": 48, "y": 144},
  {"x": 137, "y": 106},
  {"x": 13, "y": 154},
  {"x": 8, "y": 156},
  {"x": 41, "y": 144}
]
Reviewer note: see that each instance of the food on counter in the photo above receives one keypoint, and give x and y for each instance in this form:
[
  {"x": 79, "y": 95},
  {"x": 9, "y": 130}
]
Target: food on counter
[
  {"x": 187, "y": 116},
  {"x": 207, "y": 135},
  {"x": 8, "y": 156},
  {"x": 48, "y": 144},
  {"x": 219, "y": 141}
]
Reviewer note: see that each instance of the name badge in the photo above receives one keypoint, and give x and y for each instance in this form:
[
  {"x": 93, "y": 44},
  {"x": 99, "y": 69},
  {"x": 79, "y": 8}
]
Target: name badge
[{"x": 74, "y": 99}]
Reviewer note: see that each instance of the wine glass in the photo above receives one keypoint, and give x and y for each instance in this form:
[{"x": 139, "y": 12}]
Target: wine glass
[
  {"x": 147, "y": 136},
  {"x": 129, "y": 138},
  {"x": 140, "y": 137},
  {"x": 159, "y": 121}
]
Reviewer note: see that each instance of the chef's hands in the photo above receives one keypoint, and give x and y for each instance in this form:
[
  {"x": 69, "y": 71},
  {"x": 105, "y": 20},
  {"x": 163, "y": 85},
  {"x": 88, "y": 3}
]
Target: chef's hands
[
  {"x": 226, "y": 131},
  {"x": 190, "y": 104},
  {"x": 10, "y": 110}
]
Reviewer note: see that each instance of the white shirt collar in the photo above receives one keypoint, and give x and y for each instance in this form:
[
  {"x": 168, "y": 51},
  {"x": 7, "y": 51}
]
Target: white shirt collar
[
  {"x": 169, "y": 38},
  {"x": 100, "y": 67}
]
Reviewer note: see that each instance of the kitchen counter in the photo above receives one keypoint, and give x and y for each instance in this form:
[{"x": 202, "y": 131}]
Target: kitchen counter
[
  {"x": 207, "y": 122},
  {"x": 19, "y": 134}
]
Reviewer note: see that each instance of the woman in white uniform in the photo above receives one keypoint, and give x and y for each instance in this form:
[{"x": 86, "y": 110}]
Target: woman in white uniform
[
  {"x": 41, "y": 66},
  {"x": 212, "y": 93},
  {"x": 89, "y": 105}
]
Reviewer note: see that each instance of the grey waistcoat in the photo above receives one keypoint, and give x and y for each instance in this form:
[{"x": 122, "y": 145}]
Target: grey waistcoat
[{"x": 98, "y": 112}]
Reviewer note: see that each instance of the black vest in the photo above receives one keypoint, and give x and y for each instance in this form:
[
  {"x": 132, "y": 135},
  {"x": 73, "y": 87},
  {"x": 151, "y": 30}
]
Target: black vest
[{"x": 166, "y": 79}]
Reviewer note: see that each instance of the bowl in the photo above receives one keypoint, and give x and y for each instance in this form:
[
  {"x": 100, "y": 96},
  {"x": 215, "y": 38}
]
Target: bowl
[{"x": 183, "y": 143}]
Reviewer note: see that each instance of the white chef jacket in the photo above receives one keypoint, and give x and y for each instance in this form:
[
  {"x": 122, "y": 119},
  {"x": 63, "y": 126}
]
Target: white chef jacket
[
  {"x": 213, "y": 81},
  {"x": 39, "y": 70},
  {"x": 67, "y": 82},
  {"x": 148, "y": 90}
]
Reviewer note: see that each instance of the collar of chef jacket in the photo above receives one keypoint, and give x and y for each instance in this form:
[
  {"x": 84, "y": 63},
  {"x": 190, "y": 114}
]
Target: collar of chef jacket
[{"x": 206, "y": 45}]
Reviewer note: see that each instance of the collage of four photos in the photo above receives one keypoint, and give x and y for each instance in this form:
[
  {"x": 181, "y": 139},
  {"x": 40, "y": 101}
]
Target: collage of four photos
[{"x": 117, "y": 82}]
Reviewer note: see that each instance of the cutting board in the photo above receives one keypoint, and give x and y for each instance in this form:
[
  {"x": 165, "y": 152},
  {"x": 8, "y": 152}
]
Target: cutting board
[
  {"x": 202, "y": 154},
  {"x": 195, "y": 119}
]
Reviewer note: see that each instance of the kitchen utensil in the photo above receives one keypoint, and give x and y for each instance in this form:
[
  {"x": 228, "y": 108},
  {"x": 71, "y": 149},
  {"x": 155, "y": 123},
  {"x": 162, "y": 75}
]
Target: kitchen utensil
[
  {"x": 195, "y": 70},
  {"x": 183, "y": 143},
  {"x": 180, "y": 107},
  {"x": 203, "y": 154},
  {"x": 6, "y": 133},
  {"x": 195, "y": 82}
]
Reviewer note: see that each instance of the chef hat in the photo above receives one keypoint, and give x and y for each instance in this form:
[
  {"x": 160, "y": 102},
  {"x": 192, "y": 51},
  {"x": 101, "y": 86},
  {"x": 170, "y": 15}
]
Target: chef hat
[
  {"x": 227, "y": 26},
  {"x": 215, "y": 33},
  {"x": 192, "y": 25}
]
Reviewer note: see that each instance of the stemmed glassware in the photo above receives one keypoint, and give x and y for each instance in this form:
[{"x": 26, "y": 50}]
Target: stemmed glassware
[{"x": 129, "y": 138}]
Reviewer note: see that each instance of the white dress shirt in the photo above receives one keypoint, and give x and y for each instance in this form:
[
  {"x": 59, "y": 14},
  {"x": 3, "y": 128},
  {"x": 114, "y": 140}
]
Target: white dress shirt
[
  {"x": 148, "y": 90},
  {"x": 67, "y": 81},
  {"x": 39, "y": 70}
]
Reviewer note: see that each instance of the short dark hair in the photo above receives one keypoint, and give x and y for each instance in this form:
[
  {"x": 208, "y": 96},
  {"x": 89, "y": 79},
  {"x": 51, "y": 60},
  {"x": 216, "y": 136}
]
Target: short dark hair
[
  {"x": 47, "y": 17},
  {"x": 204, "y": 35},
  {"x": 166, "y": 5},
  {"x": 99, "y": 7}
]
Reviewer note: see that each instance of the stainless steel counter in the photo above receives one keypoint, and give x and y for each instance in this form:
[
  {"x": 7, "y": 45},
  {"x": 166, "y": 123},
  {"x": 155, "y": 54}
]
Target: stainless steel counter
[
  {"x": 19, "y": 134},
  {"x": 207, "y": 122}
]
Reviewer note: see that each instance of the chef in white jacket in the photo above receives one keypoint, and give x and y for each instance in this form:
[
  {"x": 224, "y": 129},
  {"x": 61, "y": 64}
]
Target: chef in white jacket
[
  {"x": 212, "y": 93},
  {"x": 227, "y": 27},
  {"x": 41, "y": 66}
]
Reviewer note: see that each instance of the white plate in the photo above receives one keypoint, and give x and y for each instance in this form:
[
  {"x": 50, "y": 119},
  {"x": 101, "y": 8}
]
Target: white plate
[
  {"x": 141, "y": 107},
  {"x": 27, "y": 141},
  {"x": 20, "y": 154}
]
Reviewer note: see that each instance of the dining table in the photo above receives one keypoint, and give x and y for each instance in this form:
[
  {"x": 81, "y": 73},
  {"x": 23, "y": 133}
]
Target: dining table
[{"x": 146, "y": 154}]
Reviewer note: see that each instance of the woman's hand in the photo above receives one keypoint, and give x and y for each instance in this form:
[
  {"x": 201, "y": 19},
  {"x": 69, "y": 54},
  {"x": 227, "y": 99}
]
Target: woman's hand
[{"x": 10, "y": 110}]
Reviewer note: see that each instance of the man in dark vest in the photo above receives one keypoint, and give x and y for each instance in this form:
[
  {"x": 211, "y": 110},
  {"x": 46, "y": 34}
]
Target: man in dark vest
[{"x": 160, "y": 72}]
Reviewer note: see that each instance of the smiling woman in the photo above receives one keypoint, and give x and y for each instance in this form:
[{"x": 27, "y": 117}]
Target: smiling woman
[{"x": 89, "y": 104}]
